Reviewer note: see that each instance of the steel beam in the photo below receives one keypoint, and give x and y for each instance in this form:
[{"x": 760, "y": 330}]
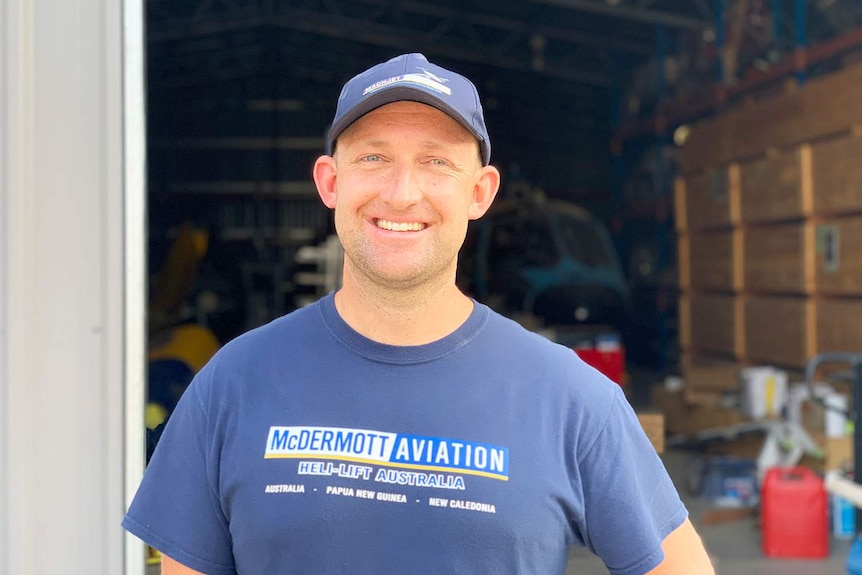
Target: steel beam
[
  {"x": 647, "y": 15},
  {"x": 202, "y": 24}
]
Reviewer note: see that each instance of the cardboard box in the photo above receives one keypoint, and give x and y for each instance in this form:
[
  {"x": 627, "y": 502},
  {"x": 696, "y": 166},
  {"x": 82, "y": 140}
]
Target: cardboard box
[
  {"x": 653, "y": 426},
  {"x": 837, "y": 451}
]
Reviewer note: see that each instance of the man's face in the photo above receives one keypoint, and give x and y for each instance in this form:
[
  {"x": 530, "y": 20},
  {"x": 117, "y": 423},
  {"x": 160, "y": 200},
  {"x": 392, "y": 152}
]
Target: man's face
[{"x": 406, "y": 178}]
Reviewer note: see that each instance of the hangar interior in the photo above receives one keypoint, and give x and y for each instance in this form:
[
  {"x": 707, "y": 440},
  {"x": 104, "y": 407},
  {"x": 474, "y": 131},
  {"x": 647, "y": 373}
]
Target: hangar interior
[{"x": 710, "y": 142}]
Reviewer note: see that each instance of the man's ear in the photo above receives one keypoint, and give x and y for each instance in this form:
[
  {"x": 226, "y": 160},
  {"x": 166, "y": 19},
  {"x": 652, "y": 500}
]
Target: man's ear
[
  {"x": 484, "y": 192},
  {"x": 324, "y": 179}
]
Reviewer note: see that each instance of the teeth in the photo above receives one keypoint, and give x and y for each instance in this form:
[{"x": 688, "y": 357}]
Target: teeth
[{"x": 400, "y": 227}]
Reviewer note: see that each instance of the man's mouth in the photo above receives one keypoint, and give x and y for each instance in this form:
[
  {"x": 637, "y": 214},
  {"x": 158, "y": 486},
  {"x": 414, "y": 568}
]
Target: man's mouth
[{"x": 400, "y": 226}]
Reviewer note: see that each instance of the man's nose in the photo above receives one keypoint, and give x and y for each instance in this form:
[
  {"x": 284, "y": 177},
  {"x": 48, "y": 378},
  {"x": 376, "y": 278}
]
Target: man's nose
[{"x": 404, "y": 189}]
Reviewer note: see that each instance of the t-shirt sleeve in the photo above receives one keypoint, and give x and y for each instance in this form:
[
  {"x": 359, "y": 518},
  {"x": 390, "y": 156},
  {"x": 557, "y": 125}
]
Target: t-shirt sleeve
[
  {"x": 630, "y": 502},
  {"x": 176, "y": 508}
]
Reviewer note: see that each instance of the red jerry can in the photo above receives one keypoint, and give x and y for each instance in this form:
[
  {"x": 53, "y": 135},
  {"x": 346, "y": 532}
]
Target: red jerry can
[{"x": 794, "y": 514}]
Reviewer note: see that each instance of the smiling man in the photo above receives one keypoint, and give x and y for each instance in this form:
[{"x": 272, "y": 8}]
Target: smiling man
[
  {"x": 396, "y": 425},
  {"x": 404, "y": 181}
]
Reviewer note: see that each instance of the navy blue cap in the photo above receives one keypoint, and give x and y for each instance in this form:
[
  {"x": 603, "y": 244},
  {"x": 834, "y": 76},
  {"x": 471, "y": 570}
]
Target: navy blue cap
[{"x": 411, "y": 77}]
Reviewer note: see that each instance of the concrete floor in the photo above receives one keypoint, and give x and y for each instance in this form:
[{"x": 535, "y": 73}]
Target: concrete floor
[{"x": 735, "y": 546}]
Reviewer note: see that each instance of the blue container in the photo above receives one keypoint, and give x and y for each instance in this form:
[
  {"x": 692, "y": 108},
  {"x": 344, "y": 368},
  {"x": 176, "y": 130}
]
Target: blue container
[
  {"x": 726, "y": 481},
  {"x": 854, "y": 558},
  {"x": 843, "y": 517}
]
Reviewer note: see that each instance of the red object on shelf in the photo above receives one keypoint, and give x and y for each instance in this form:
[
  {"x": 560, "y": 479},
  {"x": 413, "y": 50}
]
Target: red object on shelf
[
  {"x": 608, "y": 358},
  {"x": 793, "y": 512}
]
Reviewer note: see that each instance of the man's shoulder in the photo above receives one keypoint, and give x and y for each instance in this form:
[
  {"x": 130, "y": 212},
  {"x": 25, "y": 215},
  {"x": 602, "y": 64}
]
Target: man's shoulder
[
  {"x": 520, "y": 334},
  {"x": 275, "y": 336},
  {"x": 514, "y": 343},
  {"x": 548, "y": 372}
]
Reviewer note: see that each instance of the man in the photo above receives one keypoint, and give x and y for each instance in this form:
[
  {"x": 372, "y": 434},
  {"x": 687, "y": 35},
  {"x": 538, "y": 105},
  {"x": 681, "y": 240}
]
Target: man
[{"x": 397, "y": 426}]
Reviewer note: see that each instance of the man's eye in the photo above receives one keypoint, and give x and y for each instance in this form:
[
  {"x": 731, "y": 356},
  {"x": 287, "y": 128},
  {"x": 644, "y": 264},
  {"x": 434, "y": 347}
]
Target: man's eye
[
  {"x": 372, "y": 158},
  {"x": 439, "y": 162}
]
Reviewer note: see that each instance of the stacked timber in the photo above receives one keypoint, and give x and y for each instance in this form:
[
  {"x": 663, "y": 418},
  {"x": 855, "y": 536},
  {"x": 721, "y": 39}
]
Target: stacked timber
[{"x": 769, "y": 221}]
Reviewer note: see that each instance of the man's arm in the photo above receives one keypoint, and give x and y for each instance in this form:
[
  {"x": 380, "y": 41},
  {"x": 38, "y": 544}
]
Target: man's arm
[
  {"x": 171, "y": 567},
  {"x": 684, "y": 553}
]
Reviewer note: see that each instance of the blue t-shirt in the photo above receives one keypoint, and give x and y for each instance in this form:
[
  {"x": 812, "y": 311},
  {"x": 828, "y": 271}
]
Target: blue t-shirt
[{"x": 304, "y": 447}]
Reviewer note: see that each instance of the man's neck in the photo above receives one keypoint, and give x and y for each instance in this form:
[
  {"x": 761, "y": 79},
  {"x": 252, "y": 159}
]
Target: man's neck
[{"x": 402, "y": 316}]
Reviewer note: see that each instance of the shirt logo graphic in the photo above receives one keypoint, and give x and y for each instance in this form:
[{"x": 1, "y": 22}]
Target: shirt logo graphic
[{"x": 389, "y": 449}]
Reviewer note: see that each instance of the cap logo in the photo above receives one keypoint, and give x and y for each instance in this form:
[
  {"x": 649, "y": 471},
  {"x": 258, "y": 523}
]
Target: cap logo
[{"x": 426, "y": 79}]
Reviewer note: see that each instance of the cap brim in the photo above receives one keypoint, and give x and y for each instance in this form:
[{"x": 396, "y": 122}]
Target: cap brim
[{"x": 400, "y": 93}]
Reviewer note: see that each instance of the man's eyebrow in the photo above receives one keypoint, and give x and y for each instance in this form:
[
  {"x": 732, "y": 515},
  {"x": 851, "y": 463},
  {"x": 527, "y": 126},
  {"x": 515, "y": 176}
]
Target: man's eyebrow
[
  {"x": 433, "y": 144},
  {"x": 371, "y": 142}
]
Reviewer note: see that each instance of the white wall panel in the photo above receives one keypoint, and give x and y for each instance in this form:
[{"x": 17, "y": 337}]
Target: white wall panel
[{"x": 64, "y": 338}]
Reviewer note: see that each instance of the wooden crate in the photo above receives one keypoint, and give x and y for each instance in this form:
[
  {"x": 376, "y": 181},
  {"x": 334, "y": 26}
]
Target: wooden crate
[
  {"x": 837, "y": 175},
  {"x": 814, "y": 257},
  {"x": 684, "y": 312},
  {"x": 680, "y": 213},
  {"x": 838, "y": 255},
  {"x": 838, "y": 326},
  {"x": 713, "y": 259},
  {"x": 824, "y": 106},
  {"x": 776, "y": 187},
  {"x": 776, "y": 330},
  {"x": 709, "y": 200},
  {"x": 715, "y": 323},
  {"x": 683, "y": 256},
  {"x": 774, "y": 259},
  {"x": 706, "y": 377},
  {"x": 683, "y": 418}
]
